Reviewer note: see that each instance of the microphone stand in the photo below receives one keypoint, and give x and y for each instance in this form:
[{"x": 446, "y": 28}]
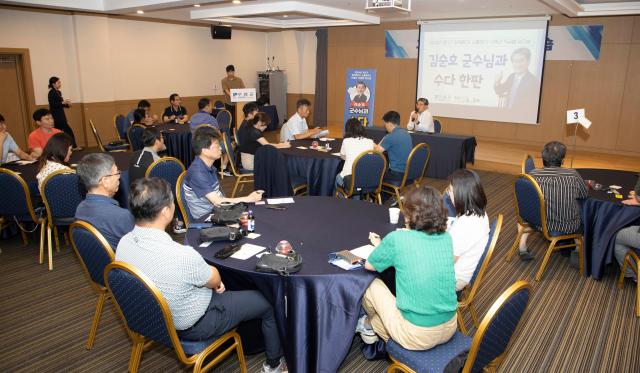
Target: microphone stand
[{"x": 575, "y": 138}]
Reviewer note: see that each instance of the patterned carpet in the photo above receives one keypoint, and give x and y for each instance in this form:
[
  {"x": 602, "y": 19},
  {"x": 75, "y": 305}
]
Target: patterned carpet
[{"x": 573, "y": 324}]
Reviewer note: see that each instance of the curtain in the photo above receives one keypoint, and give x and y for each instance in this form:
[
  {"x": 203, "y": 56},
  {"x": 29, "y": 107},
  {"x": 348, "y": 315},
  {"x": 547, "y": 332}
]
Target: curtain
[{"x": 320, "y": 101}]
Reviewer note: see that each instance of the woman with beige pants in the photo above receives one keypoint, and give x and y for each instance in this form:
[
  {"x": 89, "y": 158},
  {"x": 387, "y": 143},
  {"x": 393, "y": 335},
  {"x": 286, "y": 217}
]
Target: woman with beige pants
[{"x": 424, "y": 313}]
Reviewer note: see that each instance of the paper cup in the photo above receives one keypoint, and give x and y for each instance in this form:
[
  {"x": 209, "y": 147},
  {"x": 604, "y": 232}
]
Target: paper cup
[{"x": 394, "y": 215}]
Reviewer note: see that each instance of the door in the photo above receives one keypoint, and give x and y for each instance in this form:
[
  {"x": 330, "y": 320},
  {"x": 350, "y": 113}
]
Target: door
[{"x": 12, "y": 99}]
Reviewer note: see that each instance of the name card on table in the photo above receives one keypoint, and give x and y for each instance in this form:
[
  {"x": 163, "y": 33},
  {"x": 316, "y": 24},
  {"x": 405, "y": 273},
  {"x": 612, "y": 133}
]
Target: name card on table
[{"x": 243, "y": 94}]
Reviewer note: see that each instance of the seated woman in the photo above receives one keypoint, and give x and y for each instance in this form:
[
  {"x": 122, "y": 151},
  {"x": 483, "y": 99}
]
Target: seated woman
[
  {"x": 424, "y": 313},
  {"x": 9, "y": 150},
  {"x": 354, "y": 143},
  {"x": 55, "y": 156},
  {"x": 470, "y": 228},
  {"x": 252, "y": 139}
]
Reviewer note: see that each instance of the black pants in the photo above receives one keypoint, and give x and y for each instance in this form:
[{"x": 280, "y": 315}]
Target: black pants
[
  {"x": 228, "y": 309},
  {"x": 64, "y": 126}
]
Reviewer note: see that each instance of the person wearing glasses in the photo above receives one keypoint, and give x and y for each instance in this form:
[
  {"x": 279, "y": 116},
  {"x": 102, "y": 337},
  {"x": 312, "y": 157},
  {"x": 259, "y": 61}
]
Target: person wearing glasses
[
  {"x": 101, "y": 177},
  {"x": 153, "y": 144}
]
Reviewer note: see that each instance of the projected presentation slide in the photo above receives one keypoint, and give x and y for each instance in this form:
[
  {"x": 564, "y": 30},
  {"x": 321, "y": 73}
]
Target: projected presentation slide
[{"x": 482, "y": 70}]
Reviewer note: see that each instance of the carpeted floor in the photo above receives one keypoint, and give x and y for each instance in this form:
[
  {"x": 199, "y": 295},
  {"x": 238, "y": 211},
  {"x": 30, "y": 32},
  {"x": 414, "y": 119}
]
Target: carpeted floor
[{"x": 573, "y": 324}]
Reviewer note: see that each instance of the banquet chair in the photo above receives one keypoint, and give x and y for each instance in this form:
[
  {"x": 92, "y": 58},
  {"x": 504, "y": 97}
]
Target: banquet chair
[
  {"x": 414, "y": 172},
  {"x": 134, "y": 135},
  {"x": 367, "y": 172},
  {"x": 167, "y": 168},
  {"x": 486, "y": 350},
  {"x": 224, "y": 121},
  {"x": 95, "y": 254},
  {"x": 111, "y": 146},
  {"x": 121, "y": 124},
  {"x": 528, "y": 164},
  {"x": 242, "y": 176},
  {"x": 469, "y": 292},
  {"x": 147, "y": 319},
  {"x": 531, "y": 215},
  {"x": 16, "y": 204},
  {"x": 631, "y": 255},
  {"x": 61, "y": 193},
  {"x": 437, "y": 126},
  {"x": 181, "y": 200},
  {"x": 272, "y": 174}
]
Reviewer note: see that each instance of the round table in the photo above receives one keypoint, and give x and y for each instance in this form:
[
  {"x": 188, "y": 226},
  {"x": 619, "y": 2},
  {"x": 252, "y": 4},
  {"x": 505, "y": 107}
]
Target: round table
[
  {"x": 603, "y": 215},
  {"x": 318, "y": 167},
  {"x": 177, "y": 138},
  {"x": 29, "y": 172},
  {"x": 316, "y": 308}
]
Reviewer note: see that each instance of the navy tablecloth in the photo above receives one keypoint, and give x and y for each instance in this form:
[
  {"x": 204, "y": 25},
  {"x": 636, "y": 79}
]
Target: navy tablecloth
[
  {"x": 448, "y": 152},
  {"x": 317, "y": 308},
  {"x": 272, "y": 112},
  {"x": 29, "y": 172},
  {"x": 177, "y": 138},
  {"x": 603, "y": 216},
  {"x": 319, "y": 168}
]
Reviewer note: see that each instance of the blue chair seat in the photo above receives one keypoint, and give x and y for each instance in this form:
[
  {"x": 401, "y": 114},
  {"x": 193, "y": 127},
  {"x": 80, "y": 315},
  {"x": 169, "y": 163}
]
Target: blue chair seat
[
  {"x": 395, "y": 182},
  {"x": 433, "y": 360},
  {"x": 63, "y": 221},
  {"x": 297, "y": 181},
  {"x": 195, "y": 347}
]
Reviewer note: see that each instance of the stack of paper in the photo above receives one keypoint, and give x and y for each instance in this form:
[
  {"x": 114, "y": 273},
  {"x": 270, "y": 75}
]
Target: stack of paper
[{"x": 247, "y": 251}]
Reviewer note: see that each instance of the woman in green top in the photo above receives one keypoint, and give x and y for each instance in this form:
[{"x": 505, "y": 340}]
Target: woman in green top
[{"x": 424, "y": 313}]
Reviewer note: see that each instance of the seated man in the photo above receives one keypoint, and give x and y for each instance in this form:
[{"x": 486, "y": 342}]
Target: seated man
[
  {"x": 421, "y": 119},
  {"x": 296, "y": 127},
  {"x": 185, "y": 280},
  {"x": 153, "y": 142},
  {"x": 561, "y": 188},
  {"x": 201, "y": 186},
  {"x": 629, "y": 237},
  {"x": 9, "y": 150},
  {"x": 204, "y": 115},
  {"x": 101, "y": 177},
  {"x": 39, "y": 137},
  {"x": 398, "y": 144},
  {"x": 175, "y": 113},
  {"x": 149, "y": 118}
]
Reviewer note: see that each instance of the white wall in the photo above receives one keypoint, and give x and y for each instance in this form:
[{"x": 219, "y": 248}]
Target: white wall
[
  {"x": 295, "y": 52},
  {"x": 105, "y": 59}
]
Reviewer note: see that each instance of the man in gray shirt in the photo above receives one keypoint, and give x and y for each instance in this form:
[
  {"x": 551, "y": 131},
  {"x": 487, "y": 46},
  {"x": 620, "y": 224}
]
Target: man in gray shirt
[{"x": 200, "y": 306}]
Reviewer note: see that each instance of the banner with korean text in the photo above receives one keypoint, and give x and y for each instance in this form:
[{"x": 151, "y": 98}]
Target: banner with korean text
[{"x": 359, "y": 100}]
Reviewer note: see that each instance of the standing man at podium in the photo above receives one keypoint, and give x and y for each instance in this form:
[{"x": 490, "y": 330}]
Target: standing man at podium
[{"x": 229, "y": 82}]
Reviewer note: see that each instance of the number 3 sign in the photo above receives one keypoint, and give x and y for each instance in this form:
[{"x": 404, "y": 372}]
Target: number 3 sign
[{"x": 575, "y": 116}]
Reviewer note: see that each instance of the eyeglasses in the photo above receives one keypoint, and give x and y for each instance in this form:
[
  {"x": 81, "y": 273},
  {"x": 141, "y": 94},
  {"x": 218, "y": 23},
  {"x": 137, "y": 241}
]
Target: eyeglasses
[{"x": 118, "y": 173}]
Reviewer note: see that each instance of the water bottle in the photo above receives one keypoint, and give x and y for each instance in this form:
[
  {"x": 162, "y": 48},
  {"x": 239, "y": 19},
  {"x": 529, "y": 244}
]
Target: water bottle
[{"x": 251, "y": 227}]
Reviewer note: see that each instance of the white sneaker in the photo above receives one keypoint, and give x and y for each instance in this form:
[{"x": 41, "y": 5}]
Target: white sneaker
[
  {"x": 367, "y": 334},
  {"x": 281, "y": 368},
  {"x": 179, "y": 228}
]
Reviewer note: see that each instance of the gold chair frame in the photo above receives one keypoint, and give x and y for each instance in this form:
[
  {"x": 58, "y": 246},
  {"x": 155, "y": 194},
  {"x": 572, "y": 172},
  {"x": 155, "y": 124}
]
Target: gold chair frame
[
  {"x": 629, "y": 256},
  {"x": 96, "y": 135},
  {"x": 395, "y": 190},
  {"x": 470, "y": 293},
  {"x": 50, "y": 225},
  {"x": 524, "y": 161},
  {"x": 579, "y": 243},
  {"x": 377, "y": 193},
  {"x": 241, "y": 179},
  {"x": 101, "y": 291},
  {"x": 180, "y": 201},
  {"x": 397, "y": 366},
  {"x": 27, "y": 193},
  {"x": 115, "y": 125},
  {"x": 139, "y": 342}
]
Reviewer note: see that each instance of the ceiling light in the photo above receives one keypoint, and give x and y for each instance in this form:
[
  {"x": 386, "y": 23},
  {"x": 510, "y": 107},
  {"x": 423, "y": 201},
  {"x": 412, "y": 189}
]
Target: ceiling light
[
  {"x": 140, "y": 11},
  {"x": 285, "y": 16},
  {"x": 237, "y": 1},
  {"x": 196, "y": 5}
]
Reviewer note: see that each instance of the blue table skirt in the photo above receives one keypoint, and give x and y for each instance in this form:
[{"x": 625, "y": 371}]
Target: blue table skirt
[
  {"x": 272, "y": 112},
  {"x": 317, "y": 308},
  {"x": 319, "y": 172}
]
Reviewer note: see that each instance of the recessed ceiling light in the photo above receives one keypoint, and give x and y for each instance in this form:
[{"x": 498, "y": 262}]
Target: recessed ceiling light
[
  {"x": 285, "y": 16},
  {"x": 196, "y": 5},
  {"x": 237, "y": 1},
  {"x": 140, "y": 11}
]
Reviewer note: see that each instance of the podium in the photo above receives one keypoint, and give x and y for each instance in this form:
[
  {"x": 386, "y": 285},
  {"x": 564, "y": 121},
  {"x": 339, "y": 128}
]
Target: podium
[{"x": 240, "y": 97}]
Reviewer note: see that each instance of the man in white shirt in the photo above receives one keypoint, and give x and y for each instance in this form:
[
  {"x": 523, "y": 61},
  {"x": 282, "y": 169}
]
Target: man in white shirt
[
  {"x": 296, "y": 127},
  {"x": 421, "y": 119}
]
